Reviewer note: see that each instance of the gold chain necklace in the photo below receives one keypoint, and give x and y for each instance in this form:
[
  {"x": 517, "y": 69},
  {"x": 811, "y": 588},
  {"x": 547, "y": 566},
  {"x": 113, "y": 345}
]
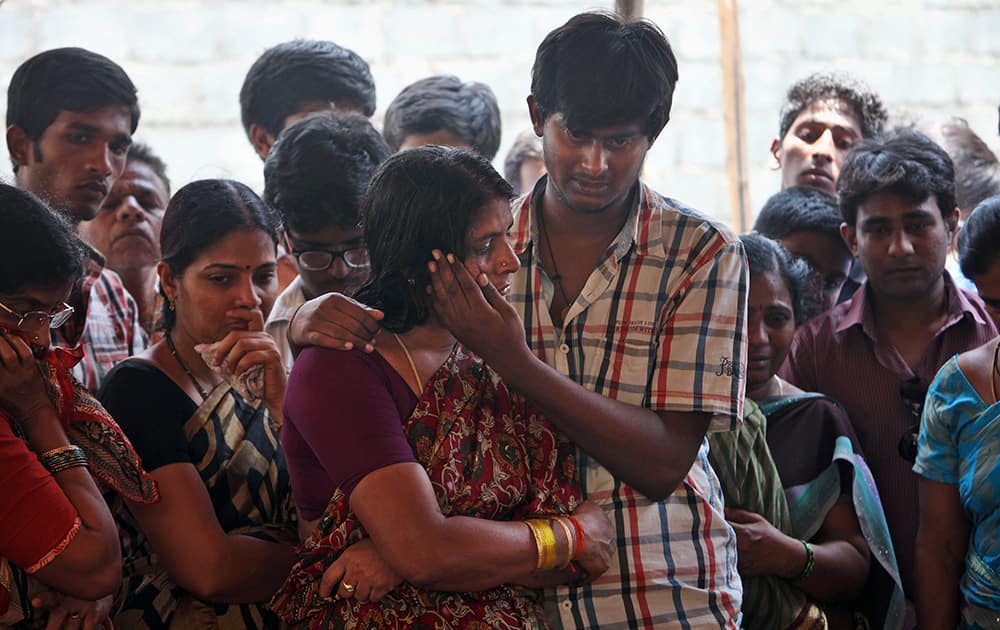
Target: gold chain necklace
[{"x": 413, "y": 366}]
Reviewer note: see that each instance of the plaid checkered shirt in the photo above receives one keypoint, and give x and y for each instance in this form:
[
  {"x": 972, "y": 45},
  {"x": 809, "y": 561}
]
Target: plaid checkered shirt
[
  {"x": 106, "y": 327},
  {"x": 660, "y": 323}
]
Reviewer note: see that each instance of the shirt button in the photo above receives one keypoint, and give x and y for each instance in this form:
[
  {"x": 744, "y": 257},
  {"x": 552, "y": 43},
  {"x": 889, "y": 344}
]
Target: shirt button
[{"x": 564, "y": 348}]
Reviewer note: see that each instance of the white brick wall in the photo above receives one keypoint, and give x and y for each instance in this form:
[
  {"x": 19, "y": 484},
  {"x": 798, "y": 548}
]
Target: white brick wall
[{"x": 928, "y": 58}]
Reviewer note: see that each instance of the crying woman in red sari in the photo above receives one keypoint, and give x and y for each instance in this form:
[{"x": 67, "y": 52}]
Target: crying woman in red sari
[
  {"x": 60, "y": 561},
  {"x": 439, "y": 497}
]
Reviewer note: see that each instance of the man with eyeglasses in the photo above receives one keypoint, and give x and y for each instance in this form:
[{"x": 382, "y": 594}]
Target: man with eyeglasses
[
  {"x": 71, "y": 114},
  {"x": 315, "y": 176},
  {"x": 876, "y": 352}
]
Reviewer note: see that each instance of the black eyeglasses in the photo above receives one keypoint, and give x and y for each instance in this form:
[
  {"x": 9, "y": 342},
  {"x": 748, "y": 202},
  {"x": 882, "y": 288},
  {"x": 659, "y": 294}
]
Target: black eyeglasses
[
  {"x": 321, "y": 259},
  {"x": 912, "y": 392},
  {"x": 41, "y": 319}
]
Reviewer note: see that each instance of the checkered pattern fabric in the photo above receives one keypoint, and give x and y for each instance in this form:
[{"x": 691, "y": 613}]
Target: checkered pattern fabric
[
  {"x": 106, "y": 326},
  {"x": 660, "y": 324}
]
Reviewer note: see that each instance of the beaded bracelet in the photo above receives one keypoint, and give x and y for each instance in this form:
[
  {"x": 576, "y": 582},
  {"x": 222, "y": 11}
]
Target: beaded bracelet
[
  {"x": 810, "y": 563},
  {"x": 63, "y": 458}
]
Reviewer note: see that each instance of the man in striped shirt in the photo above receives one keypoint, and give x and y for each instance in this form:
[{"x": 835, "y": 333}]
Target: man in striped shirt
[{"x": 71, "y": 114}]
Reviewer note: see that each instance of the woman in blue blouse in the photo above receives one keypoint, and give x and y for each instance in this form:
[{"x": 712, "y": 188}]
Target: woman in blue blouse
[{"x": 958, "y": 543}]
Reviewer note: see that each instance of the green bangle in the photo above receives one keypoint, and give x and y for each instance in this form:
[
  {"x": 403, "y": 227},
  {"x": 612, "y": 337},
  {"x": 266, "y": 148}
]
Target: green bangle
[
  {"x": 810, "y": 563},
  {"x": 63, "y": 458}
]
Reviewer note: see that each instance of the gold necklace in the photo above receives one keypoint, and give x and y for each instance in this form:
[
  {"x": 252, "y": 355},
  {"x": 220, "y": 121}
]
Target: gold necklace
[{"x": 413, "y": 366}]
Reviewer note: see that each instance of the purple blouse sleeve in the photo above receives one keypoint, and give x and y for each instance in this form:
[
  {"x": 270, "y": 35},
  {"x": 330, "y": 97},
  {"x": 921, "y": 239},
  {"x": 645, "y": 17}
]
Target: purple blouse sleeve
[{"x": 344, "y": 414}]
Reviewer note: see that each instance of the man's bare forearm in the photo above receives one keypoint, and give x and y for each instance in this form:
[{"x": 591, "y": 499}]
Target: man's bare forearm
[{"x": 650, "y": 451}]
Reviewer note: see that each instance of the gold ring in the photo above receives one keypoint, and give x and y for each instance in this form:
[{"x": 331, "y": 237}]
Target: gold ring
[{"x": 348, "y": 587}]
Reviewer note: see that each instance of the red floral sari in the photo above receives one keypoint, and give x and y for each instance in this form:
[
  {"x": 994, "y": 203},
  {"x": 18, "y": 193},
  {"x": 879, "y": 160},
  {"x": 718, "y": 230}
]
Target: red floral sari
[
  {"x": 113, "y": 463},
  {"x": 488, "y": 455}
]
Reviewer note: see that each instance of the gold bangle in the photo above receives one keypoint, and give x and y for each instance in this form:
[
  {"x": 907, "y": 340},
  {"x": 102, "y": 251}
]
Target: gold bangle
[
  {"x": 569, "y": 541},
  {"x": 537, "y": 537},
  {"x": 545, "y": 541}
]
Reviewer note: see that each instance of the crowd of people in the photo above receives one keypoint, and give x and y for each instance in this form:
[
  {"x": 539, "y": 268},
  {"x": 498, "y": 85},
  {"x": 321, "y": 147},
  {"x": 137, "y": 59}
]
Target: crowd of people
[{"x": 399, "y": 389}]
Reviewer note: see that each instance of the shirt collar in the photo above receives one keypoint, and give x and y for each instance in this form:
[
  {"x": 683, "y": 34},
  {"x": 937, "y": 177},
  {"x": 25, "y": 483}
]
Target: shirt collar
[
  {"x": 526, "y": 229},
  {"x": 288, "y": 301},
  {"x": 860, "y": 312}
]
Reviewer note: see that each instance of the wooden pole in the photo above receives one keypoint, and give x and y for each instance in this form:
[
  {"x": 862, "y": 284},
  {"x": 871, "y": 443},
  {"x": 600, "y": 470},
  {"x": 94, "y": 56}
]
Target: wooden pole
[
  {"x": 630, "y": 10},
  {"x": 733, "y": 115}
]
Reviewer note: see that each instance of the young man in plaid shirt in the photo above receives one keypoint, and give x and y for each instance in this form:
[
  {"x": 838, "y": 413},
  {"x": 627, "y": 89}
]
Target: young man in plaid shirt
[
  {"x": 626, "y": 324},
  {"x": 71, "y": 114}
]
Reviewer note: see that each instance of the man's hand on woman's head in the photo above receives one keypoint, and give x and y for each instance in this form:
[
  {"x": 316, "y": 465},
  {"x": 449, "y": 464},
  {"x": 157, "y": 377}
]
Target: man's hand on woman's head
[
  {"x": 335, "y": 321},
  {"x": 469, "y": 306}
]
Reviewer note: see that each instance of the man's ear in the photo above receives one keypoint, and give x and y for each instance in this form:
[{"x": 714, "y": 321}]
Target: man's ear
[
  {"x": 261, "y": 139},
  {"x": 774, "y": 162},
  {"x": 951, "y": 222},
  {"x": 18, "y": 145},
  {"x": 537, "y": 123},
  {"x": 850, "y": 236}
]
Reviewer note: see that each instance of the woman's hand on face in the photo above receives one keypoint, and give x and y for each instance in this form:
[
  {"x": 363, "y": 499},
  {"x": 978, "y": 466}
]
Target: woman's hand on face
[
  {"x": 760, "y": 546},
  {"x": 474, "y": 311},
  {"x": 241, "y": 350},
  {"x": 598, "y": 540},
  {"x": 359, "y": 572},
  {"x": 68, "y": 612},
  {"x": 22, "y": 387}
]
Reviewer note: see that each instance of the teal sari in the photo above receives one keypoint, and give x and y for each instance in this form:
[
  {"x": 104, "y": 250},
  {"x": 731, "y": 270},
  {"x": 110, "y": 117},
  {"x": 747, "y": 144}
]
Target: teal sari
[{"x": 791, "y": 461}]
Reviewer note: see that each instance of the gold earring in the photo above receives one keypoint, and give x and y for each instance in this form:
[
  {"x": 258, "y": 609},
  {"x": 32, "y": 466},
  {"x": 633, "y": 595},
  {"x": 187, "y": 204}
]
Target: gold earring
[{"x": 170, "y": 304}]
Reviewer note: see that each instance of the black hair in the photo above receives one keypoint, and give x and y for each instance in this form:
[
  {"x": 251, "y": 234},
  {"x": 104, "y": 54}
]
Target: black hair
[
  {"x": 979, "y": 239},
  {"x": 199, "y": 215},
  {"x": 66, "y": 79},
  {"x": 977, "y": 170},
  {"x": 906, "y": 163},
  {"x": 598, "y": 70},
  {"x": 141, "y": 152},
  {"x": 38, "y": 247},
  {"x": 767, "y": 256},
  {"x": 291, "y": 74},
  {"x": 466, "y": 108},
  {"x": 318, "y": 171},
  {"x": 831, "y": 87},
  {"x": 423, "y": 199},
  {"x": 527, "y": 146},
  {"x": 799, "y": 209}
]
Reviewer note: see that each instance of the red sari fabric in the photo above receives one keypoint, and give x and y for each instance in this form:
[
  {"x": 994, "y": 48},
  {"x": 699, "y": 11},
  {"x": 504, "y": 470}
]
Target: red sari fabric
[
  {"x": 113, "y": 463},
  {"x": 488, "y": 455}
]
